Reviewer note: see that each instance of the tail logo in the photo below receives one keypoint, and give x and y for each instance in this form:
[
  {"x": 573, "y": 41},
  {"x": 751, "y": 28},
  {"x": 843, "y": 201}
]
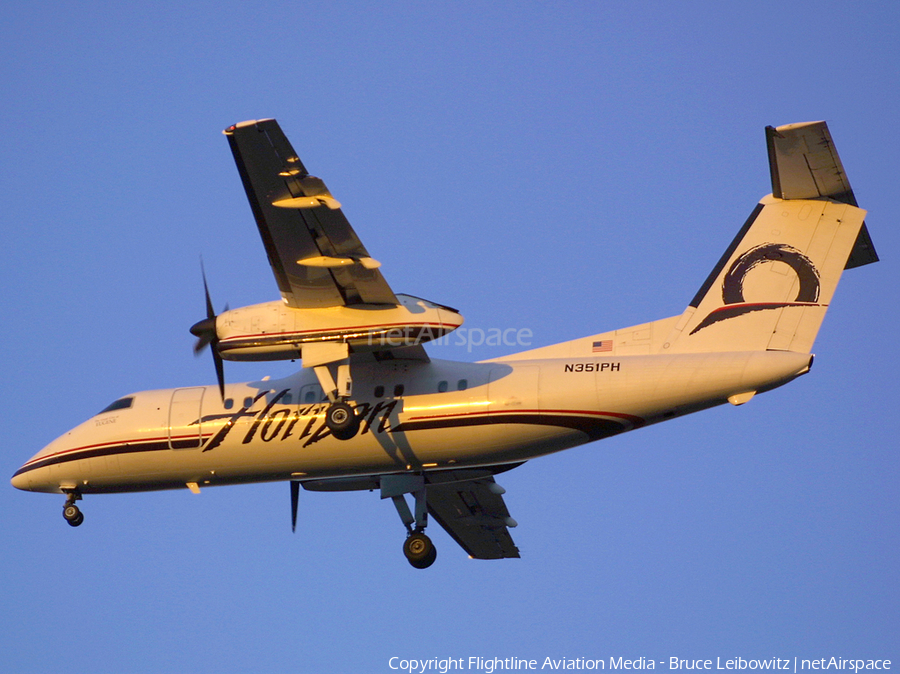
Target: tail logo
[{"x": 733, "y": 283}]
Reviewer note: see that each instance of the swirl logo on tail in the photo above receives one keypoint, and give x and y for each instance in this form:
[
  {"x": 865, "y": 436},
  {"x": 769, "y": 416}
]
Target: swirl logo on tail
[{"x": 733, "y": 283}]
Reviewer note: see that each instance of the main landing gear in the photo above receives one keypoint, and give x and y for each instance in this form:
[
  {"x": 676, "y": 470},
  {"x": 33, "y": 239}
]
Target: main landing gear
[
  {"x": 71, "y": 513},
  {"x": 418, "y": 548}
]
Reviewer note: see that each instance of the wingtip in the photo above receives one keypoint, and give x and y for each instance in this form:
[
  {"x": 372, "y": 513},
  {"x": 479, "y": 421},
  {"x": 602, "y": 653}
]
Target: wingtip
[{"x": 250, "y": 122}]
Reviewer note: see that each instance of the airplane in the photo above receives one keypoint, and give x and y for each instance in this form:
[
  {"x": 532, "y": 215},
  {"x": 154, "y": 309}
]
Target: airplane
[{"x": 369, "y": 409}]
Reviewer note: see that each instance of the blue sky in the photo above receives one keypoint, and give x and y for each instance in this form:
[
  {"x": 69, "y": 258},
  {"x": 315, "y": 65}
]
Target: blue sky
[{"x": 567, "y": 167}]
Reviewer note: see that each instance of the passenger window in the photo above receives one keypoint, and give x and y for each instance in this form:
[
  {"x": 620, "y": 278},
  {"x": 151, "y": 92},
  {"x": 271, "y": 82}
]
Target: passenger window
[
  {"x": 398, "y": 390},
  {"x": 248, "y": 402},
  {"x": 379, "y": 391},
  {"x": 442, "y": 387},
  {"x": 311, "y": 393},
  {"x": 462, "y": 384},
  {"x": 287, "y": 398},
  {"x": 229, "y": 403}
]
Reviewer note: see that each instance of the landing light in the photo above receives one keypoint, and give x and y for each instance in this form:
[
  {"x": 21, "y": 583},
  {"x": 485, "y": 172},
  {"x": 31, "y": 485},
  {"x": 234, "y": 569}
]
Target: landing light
[
  {"x": 326, "y": 261},
  {"x": 741, "y": 398},
  {"x": 309, "y": 202}
]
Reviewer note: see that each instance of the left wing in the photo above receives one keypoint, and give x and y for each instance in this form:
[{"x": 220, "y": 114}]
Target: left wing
[
  {"x": 317, "y": 259},
  {"x": 474, "y": 514}
]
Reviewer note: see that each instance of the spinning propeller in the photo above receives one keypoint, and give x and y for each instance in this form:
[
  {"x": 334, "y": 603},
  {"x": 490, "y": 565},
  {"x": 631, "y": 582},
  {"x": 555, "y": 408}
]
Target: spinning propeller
[{"x": 205, "y": 332}]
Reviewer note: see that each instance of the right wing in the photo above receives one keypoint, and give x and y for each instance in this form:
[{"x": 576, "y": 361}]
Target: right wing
[
  {"x": 474, "y": 514},
  {"x": 317, "y": 259}
]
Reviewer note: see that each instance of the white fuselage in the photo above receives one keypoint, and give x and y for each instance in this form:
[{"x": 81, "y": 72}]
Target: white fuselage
[{"x": 417, "y": 416}]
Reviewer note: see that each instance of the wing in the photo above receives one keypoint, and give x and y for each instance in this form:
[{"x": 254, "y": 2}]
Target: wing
[
  {"x": 474, "y": 514},
  {"x": 317, "y": 259},
  {"x": 804, "y": 164}
]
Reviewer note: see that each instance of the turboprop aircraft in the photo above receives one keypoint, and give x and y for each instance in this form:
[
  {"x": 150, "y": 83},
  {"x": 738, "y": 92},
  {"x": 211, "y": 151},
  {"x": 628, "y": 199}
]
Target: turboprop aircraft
[{"x": 369, "y": 409}]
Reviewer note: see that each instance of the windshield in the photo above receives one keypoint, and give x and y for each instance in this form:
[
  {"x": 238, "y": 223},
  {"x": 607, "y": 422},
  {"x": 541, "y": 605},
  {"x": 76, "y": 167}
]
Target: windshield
[{"x": 120, "y": 404}]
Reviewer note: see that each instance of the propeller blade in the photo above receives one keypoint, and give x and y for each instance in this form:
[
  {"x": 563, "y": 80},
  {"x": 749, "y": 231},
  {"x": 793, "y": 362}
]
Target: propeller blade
[
  {"x": 201, "y": 344},
  {"x": 295, "y": 497},
  {"x": 205, "y": 332},
  {"x": 210, "y": 312},
  {"x": 220, "y": 372}
]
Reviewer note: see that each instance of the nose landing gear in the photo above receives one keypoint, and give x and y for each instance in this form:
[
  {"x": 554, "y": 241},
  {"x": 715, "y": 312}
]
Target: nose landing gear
[{"x": 71, "y": 513}]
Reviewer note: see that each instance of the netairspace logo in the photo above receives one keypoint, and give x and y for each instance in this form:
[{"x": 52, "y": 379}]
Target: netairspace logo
[
  {"x": 472, "y": 337},
  {"x": 467, "y": 337},
  {"x": 788, "y": 664}
]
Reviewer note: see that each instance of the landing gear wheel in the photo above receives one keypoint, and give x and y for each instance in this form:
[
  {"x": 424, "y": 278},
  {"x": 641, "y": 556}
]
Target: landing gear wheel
[
  {"x": 73, "y": 515},
  {"x": 419, "y": 550},
  {"x": 342, "y": 420}
]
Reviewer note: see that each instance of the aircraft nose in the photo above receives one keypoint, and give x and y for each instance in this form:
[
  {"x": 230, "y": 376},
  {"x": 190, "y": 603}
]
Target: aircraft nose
[
  {"x": 20, "y": 481},
  {"x": 34, "y": 476}
]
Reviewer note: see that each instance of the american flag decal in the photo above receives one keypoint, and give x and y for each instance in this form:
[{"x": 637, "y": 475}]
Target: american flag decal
[{"x": 601, "y": 346}]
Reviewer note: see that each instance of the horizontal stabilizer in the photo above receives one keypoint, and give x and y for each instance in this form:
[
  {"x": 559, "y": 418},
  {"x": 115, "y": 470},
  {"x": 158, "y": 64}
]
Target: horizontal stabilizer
[{"x": 804, "y": 164}]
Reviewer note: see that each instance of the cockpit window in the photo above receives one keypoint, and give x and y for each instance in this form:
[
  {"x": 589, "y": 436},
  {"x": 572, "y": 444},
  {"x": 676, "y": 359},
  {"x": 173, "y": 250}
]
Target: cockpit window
[{"x": 120, "y": 404}]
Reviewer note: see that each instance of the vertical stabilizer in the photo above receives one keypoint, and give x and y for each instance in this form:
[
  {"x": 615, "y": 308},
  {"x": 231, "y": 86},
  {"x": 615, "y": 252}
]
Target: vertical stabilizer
[{"x": 771, "y": 288}]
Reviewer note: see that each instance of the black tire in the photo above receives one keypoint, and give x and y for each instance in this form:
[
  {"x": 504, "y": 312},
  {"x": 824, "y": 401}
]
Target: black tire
[
  {"x": 342, "y": 420},
  {"x": 73, "y": 515},
  {"x": 419, "y": 550},
  {"x": 429, "y": 560}
]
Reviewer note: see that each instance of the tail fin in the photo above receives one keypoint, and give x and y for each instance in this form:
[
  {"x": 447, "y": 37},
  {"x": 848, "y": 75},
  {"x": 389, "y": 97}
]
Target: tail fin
[{"x": 773, "y": 285}]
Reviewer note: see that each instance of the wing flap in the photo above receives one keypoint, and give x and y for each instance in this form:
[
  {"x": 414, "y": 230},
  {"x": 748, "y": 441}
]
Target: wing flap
[
  {"x": 475, "y": 516},
  {"x": 298, "y": 219}
]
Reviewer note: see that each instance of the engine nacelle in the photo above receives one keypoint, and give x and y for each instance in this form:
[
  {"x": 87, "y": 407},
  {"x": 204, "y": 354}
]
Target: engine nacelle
[{"x": 275, "y": 331}]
